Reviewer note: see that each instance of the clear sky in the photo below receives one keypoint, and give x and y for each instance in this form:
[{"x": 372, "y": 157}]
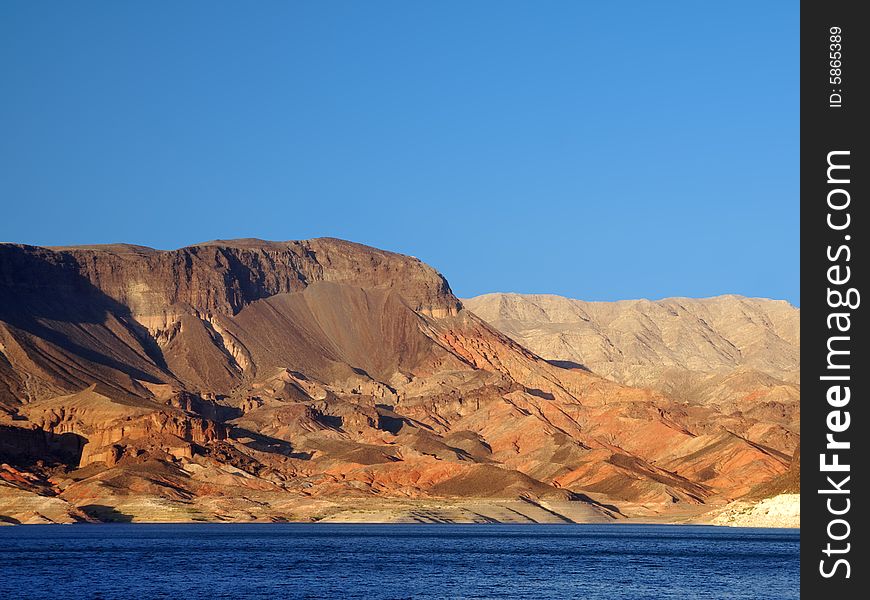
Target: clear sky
[{"x": 599, "y": 150}]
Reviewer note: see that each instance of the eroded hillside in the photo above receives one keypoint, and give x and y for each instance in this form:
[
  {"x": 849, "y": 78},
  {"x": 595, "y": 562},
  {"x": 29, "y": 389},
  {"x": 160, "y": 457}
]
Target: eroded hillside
[{"x": 320, "y": 379}]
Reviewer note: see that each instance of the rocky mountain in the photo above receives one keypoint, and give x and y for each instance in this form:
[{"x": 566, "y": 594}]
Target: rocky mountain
[
  {"x": 322, "y": 379},
  {"x": 635, "y": 341},
  {"x": 740, "y": 355}
]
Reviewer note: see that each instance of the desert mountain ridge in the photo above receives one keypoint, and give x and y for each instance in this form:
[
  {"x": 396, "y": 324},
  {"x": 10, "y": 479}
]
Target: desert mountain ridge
[
  {"x": 738, "y": 353},
  {"x": 635, "y": 341},
  {"x": 323, "y": 379}
]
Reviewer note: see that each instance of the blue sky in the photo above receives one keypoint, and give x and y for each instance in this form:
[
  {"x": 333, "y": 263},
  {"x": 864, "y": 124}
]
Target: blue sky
[{"x": 596, "y": 150}]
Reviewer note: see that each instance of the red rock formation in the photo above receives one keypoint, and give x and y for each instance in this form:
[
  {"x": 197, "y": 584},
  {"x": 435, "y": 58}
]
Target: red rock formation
[{"x": 319, "y": 371}]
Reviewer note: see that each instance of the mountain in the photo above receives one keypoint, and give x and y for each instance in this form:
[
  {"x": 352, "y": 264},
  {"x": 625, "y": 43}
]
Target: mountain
[
  {"x": 635, "y": 341},
  {"x": 322, "y": 379},
  {"x": 739, "y": 355}
]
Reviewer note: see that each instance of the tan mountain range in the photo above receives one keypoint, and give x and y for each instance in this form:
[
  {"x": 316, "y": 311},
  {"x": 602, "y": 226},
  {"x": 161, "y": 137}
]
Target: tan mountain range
[
  {"x": 321, "y": 379},
  {"x": 740, "y": 354}
]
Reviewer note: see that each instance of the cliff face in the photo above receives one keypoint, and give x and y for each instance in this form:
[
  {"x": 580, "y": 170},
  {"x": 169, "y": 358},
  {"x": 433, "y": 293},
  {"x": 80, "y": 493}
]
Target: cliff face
[
  {"x": 220, "y": 277},
  {"x": 250, "y": 379},
  {"x": 113, "y": 310}
]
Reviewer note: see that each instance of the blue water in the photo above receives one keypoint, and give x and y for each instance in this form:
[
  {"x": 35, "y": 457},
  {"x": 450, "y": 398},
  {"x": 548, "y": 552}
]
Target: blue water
[{"x": 337, "y": 562}]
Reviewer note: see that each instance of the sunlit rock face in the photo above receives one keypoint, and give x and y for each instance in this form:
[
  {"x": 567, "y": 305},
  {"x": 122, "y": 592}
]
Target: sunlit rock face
[{"x": 245, "y": 379}]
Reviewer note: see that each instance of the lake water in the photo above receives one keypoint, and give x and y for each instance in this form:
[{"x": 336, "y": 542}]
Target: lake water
[{"x": 337, "y": 562}]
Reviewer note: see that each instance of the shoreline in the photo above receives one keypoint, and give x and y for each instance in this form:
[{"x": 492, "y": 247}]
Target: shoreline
[
  {"x": 781, "y": 511},
  {"x": 621, "y": 523}
]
